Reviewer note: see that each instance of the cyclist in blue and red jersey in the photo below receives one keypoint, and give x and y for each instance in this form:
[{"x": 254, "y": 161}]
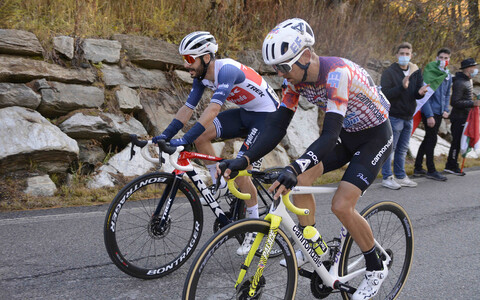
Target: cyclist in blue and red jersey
[
  {"x": 355, "y": 131},
  {"x": 230, "y": 81}
]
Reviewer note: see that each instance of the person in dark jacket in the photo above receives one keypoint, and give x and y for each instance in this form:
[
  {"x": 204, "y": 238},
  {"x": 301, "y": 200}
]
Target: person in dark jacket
[
  {"x": 432, "y": 112},
  {"x": 402, "y": 84},
  {"x": 461, "y": 102}
]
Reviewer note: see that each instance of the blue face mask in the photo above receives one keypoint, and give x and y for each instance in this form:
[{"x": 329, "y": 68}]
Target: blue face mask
[
  {"x": 474, "y": 73},
  {"x": 403, "y": 60}
]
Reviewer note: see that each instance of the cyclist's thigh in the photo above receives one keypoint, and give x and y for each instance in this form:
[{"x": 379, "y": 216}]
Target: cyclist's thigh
[
  {"x": 228, "y": 124},
  {"x": 253, "y": 122},
  {"x": 371, "y": 148}
]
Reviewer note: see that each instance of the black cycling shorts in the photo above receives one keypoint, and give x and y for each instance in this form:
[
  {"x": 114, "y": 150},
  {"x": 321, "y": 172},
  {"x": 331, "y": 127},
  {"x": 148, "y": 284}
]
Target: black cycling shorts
[
  {"x": 366, "y": 150},
  {"x": 238, "y": 122}
]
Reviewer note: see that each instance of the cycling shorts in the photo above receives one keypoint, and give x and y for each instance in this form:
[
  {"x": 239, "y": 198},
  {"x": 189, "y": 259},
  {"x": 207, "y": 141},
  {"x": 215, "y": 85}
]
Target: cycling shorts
[
  {"x": 365, "y": 150},
  {"x": 235, "y": 123}
]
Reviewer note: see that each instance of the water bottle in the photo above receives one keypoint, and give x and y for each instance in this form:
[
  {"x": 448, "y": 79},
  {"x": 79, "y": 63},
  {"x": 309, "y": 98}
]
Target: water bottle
[{"x": 318, "y": 244}]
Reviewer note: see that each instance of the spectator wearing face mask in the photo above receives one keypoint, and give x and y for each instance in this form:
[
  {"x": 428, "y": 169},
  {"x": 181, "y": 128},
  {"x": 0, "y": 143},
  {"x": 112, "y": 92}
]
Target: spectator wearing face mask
[
  {"x": 432, "y": 113},
  {"x": 402, "y": 84},
  {"x": 461, "y": 102}
]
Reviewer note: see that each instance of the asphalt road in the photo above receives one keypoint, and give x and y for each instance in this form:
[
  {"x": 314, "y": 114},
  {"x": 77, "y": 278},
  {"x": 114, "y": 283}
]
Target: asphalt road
[{"x": 59, "y": 253}]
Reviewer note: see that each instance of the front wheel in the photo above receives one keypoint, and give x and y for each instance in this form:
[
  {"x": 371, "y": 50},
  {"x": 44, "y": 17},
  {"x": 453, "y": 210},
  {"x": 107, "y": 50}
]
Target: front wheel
[
  {"x": 393, "y": 230},
  {"x": 215, "y": 270},
  {"x": 138, "y": 240}
]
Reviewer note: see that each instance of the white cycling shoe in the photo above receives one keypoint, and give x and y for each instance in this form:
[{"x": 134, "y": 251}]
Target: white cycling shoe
[
  {"x": 371, "y": 284},
  {"x": 222, "y": 191},
  {"x": 301, "y": 260},
  {"x": 247, "y": 243}
]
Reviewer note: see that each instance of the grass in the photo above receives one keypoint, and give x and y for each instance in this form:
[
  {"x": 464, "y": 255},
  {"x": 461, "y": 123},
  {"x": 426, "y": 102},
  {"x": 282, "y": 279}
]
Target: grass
[{"x": 77, "y": 194}]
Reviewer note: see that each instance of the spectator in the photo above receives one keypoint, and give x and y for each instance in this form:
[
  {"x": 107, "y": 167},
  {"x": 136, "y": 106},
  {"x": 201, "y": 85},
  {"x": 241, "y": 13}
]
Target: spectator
[
  {"x": 461, "y": 102},
  {"x": 402, "y": 84},
  {"x": 432, "y": 112}
]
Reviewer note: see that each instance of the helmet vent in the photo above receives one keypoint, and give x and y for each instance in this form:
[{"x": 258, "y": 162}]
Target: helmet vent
[
  {"x": 273, "y": 51},
  {"x": 284, "y": 48}
]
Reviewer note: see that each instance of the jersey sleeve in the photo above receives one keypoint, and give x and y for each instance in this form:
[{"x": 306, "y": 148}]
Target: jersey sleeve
[
  {"x": 195, "y": 94},
  {"x": 338, "y": 85},
  {"x": 228, "y": 76},
  {"x": 290, "y": 97}
]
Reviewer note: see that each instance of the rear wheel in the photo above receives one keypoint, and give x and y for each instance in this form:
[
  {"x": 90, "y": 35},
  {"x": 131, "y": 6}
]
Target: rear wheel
[
  {"x": 137, "y": 241},
  {"x": 393, "y": 230},
  {"x": 215, "y": 270}
]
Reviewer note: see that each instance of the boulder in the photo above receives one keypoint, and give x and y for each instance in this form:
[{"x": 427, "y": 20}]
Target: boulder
[
  {"x": 18, "y": 94},
  {"x": 134, "y": 77},
  {"x": 98, "y": 50},
  {"x": 158, "y": 110},
  {"x": 19, "y": 42},
  {"x": 40, "y": 186},
  {"x": 20, "y": 69},
  {"x": 60, "y": 98},
  {"x": 28, "y": 140},
  {"x": 64, "y": 45},
  {"x": 150, "y": 53},
  {"x": 128, "y": 99}
]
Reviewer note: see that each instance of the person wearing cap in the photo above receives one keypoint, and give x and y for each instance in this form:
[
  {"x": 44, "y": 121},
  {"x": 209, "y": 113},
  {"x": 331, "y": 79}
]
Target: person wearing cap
[
  {"x": 230, "y": 81},
  {"x": 355, "y": 132},
  {"x": 462, "y": 100}
]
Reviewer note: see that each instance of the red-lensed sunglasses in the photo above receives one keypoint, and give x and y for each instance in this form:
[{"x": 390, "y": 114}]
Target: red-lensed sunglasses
[{"x": 189, "y": 59}]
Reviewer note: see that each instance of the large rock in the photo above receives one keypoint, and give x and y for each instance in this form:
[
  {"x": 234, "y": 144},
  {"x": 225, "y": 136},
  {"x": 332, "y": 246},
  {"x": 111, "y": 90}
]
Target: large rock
[
  {"x": 64, "y": 45},
  {"x": 18, "y": 94},
  {"x": 40, "y": 186},
  {"x": 19, "y": 42},
  {"x": 20, "y": 69},
  {"x": 98, "y": 50},
  {"x": 128, "y": 99},
  {"x": 254, "y": 60},
  {"x": 158, "y": 110},
  {"x": 150, "y": 53},
  {"x": 60, "y": 98},
  {"x": 134, "y": 77},
  {"x": 28, "y": 140},
  {"x": 97, "y": 125}
]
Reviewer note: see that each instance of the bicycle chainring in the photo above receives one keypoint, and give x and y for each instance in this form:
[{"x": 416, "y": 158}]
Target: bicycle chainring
[
  {"x": 320, "y": 290},
  {"x": 242, "y": 290}
]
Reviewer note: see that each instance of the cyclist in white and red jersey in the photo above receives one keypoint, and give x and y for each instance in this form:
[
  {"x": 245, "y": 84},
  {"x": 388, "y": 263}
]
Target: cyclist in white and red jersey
[
  {"x": 355, "y": 131},
  {"x": 230, "y": 81}
]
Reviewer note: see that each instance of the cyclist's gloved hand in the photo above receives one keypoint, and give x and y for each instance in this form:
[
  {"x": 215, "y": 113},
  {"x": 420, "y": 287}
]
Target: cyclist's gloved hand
[
  {"x": 158, "y": 138},
  {"x": 233, "y": 166},
  {"x": 288, "y": 177},
  {"x": 179, "y": 142}
]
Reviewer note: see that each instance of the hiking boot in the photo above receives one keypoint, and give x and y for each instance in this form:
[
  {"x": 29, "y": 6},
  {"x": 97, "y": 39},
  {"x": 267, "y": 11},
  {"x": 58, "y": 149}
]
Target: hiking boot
[
  {"x": 222, "y": 191},
  {"x": 436, "y": 176},
  {"x": 406, "y": 182},
  {"x": 455, "y": 171},
  {"x": 391, "y": 183},
  {"x": 419, "y": 173},
  {"x": 247, "y": 243},
  {"x": 371, "y": 284},
  {"x": 301, "y": 260}
]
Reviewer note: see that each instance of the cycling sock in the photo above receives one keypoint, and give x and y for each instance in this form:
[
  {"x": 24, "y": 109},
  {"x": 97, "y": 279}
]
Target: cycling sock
[
  {"x": 213, "y": 171},
  {"x": 372, "y": 261},
  {"x": 252, "y": 212}
]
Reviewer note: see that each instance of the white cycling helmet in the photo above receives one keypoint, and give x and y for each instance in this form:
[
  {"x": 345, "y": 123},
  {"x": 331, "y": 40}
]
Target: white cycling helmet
[
  {"x": 198, "y": 43},
  {"x": 286, "y": 40}
]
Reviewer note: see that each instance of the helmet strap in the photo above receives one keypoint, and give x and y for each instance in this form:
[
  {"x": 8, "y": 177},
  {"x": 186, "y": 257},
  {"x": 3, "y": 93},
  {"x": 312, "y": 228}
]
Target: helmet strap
[
  {"x": 205, "y": 68},
  {"x": 304, "y": 68}
]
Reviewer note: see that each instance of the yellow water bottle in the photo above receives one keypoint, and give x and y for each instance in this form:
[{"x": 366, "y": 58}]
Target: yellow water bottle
[{"x": 318, "y": 244}]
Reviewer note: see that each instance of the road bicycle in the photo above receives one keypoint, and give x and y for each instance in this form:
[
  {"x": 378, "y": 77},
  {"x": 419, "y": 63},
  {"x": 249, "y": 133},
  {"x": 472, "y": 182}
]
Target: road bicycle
[
  {"x": 219, "y": 273},
  {"x": 154, "y": 224}
]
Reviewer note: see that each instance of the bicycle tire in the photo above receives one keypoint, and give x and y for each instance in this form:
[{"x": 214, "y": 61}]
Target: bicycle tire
[
  {"x": 214, "y": 271},
  {"x": 133, "y": 242},
  {"x": 393, "y": 229}
]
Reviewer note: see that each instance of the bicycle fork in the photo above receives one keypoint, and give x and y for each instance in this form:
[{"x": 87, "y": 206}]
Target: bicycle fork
[{"x": 272, "y": 233}]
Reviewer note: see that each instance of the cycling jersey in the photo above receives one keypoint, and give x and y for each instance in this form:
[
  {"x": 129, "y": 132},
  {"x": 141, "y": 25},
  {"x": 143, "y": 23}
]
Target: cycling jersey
[
  {"x": 345, "y": 88},
  {"x": 238, "y": 84}
]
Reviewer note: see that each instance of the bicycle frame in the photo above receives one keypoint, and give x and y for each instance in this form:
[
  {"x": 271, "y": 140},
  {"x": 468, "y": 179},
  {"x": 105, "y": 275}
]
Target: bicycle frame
[{"x": 279, "y": 215}]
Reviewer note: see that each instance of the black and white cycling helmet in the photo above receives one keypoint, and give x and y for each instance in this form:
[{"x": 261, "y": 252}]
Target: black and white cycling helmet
[
  {"x": 198, "y": 43},
  {"x": 286, "y": 40}
]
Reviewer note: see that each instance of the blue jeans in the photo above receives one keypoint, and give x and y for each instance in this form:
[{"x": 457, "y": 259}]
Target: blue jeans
[{"x": 402, "y": 130}]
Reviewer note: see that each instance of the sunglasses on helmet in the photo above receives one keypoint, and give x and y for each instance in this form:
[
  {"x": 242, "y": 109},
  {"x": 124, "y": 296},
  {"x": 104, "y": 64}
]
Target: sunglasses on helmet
[
  {"x": 189, "y": 59},
  {"x": 287, "y": 66}
]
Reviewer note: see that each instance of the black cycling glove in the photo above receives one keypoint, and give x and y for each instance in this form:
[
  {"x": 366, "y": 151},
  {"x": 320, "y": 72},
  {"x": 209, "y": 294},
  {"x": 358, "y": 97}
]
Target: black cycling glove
[{"x": 288, "y": 177}]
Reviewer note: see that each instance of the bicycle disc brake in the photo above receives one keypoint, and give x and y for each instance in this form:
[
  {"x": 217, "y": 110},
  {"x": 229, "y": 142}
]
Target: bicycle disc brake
[
  {"x": 155, "y": 230},
  {"x": 320, "y": 290},
  {"x": 242, "y": 290}
]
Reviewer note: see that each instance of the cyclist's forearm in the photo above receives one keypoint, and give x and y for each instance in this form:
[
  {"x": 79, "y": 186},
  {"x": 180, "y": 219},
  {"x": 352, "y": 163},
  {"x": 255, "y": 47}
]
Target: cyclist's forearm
[
  {"x": 275, "y": 128},
  {"x": 184, "y": 114}
]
